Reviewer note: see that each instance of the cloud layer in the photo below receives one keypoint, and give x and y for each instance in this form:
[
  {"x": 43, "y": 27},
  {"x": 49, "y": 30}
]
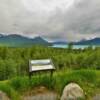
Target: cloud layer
[{"x": 54, "y": 19}]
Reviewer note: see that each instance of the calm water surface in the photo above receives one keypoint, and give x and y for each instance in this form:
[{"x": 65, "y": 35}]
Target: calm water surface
[{"x": 74, "y": 46}]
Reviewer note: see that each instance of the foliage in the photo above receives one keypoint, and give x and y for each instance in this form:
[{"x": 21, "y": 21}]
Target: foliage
[
  {"x": 14, "y": 61},
  {"x": 5, "y": 87}
]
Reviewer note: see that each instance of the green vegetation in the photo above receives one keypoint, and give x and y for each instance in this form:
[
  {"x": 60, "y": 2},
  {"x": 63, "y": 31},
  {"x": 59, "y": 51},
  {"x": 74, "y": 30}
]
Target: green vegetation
[
  {"x": 5, "y": 87},
  {"x": 14, "y": 61},
  {"x": 80, "y": 66},
  {"x": 87, "y": 79}
]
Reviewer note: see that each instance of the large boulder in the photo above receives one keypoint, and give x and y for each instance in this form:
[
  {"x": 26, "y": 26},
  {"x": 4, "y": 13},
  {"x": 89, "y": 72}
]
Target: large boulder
[
  {"x": 72, "y": 92},
  {"x": 3, "y": 96}
]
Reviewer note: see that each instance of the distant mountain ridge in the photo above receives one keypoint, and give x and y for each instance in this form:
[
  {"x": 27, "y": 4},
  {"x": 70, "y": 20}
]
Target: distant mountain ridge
[
  {"x": 95, "y": 41},
  {"x": 14, "y": 40},
  {"x": 19, "y": 40}
]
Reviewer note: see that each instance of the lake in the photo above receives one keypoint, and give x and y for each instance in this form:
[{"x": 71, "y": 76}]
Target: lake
[{"x": 74, "y": 46}]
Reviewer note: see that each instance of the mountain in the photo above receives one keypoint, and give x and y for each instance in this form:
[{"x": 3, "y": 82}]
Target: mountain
[
  {"x": 19, "y": 40},
  {"x": 60, "y": 42},
  {"x": 95, "y": 41}
]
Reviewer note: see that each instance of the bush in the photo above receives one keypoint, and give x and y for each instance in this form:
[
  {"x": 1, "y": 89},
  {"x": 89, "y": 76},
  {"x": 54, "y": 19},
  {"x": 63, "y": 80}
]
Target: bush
[
  {"x": 20, "y": 83},
  {"x": 9, "y": 91}
]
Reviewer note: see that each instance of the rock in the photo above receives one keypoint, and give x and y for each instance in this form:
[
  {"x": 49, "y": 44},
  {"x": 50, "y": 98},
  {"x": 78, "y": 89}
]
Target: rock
[
  {"x": 3, "y": 96},
  {"x": 72, "y": 92}
]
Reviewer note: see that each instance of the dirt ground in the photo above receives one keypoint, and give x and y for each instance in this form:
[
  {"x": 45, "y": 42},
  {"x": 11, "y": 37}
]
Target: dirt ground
[{"x": 40, "y": 93}]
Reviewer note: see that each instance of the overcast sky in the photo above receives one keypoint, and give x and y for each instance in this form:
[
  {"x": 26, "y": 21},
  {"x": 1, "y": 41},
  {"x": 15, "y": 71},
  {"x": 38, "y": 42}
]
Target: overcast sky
[{"x": 53, "y": 19}]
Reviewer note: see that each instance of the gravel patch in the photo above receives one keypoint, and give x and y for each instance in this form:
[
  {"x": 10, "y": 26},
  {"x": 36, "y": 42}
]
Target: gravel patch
[
  {"x": 47, "y": 96},
  {"x": 96, "y": 97}
]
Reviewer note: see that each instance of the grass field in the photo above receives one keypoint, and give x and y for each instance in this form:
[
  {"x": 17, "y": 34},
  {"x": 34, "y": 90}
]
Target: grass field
[{"x": 89, "y": 80}]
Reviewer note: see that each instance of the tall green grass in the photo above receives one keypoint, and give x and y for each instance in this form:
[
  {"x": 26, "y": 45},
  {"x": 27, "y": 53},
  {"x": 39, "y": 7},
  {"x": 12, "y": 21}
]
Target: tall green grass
[
  {"x": 25, "y": 83},
  {"x": 81, "y": 77},
  {"x": 9, "y": 91},
  {"x": 20, "y": 83}
]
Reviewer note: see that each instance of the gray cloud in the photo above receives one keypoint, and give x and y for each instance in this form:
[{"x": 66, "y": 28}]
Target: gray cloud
[{"x": 54, "y": 19}]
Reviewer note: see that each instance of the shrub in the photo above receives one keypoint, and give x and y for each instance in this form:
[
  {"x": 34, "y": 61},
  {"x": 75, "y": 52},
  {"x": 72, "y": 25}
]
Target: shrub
[
  {"x": 20, "y": 83},
  {"x": 9, "y": 91}
]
